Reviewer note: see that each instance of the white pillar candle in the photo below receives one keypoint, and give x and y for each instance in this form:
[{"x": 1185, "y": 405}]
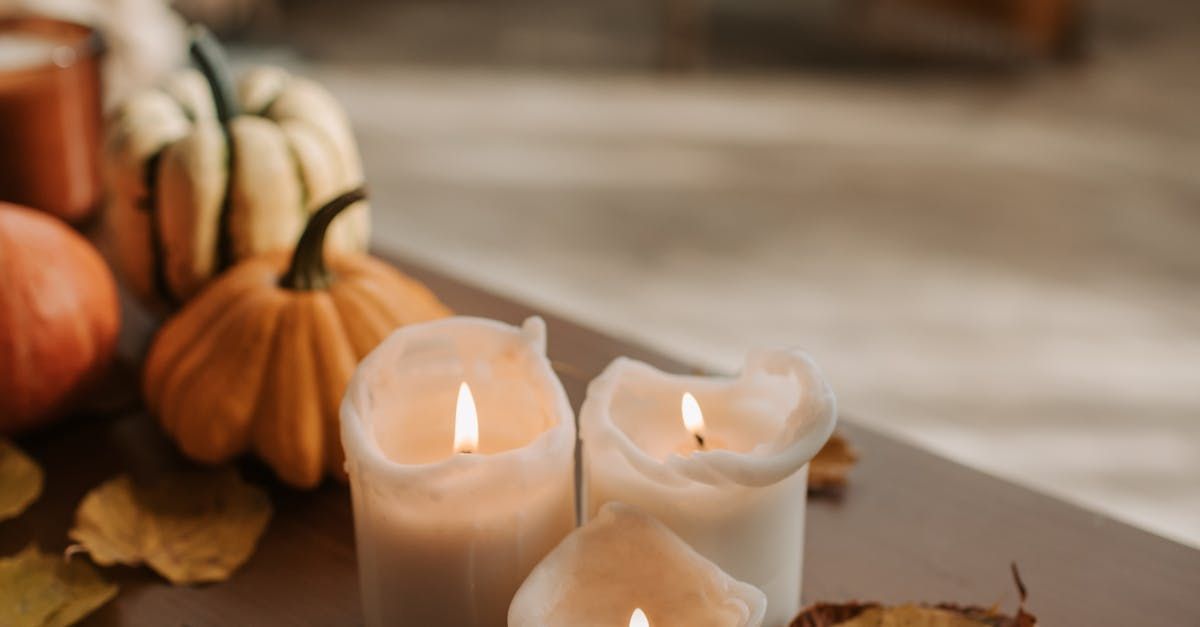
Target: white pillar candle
[
  {"x": 449, "y": 524},
  {"x": 734, "y": 485},
  {"x": 625, "y": 568}
]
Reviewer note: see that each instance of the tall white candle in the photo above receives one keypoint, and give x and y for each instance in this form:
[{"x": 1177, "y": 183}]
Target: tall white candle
[
  {"x": 448, "y": 527},
  {"x": 625, "y": 567},
  {"x": 734, "y": 484}
]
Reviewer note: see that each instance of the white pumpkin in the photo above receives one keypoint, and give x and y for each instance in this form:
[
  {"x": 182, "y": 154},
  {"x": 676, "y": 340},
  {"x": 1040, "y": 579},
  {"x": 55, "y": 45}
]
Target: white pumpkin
[{"x": 201, "y": 177}]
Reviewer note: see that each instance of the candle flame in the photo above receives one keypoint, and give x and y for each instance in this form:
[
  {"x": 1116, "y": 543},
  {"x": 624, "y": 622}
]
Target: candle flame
[
  {"x": 466, "y": 421},
  {"x": 638, "y": 619},
  {"x": 693, "y": 418}
]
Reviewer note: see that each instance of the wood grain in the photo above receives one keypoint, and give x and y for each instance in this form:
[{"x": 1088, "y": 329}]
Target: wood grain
[{"x": 911, "y": 526}]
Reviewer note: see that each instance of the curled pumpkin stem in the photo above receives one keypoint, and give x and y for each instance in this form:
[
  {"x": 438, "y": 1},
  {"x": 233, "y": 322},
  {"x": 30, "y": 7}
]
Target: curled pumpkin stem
[
  {"x": 209, "y": 56},
  {"x": 307, "y": 270}
]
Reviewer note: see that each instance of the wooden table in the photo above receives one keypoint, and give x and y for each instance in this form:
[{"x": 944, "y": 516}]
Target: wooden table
[{"x": 911, "y": 526}]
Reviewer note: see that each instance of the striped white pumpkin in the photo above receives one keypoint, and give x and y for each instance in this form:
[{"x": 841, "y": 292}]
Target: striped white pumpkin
[{"x": 169, "y": 172}]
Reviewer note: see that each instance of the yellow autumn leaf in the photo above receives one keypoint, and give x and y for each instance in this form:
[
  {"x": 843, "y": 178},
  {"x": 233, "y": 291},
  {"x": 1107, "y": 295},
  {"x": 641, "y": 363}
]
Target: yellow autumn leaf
[
  {"x": 20, "y": 480},
  {"x": 48, "y": 590},
  {"x": 189, "y": 527}
]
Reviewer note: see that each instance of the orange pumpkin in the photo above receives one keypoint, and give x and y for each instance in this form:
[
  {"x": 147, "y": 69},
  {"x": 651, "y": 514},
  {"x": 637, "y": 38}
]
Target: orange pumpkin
[
  {"x": 59, "y": 317},
  {"x": 260, "y": 359}
]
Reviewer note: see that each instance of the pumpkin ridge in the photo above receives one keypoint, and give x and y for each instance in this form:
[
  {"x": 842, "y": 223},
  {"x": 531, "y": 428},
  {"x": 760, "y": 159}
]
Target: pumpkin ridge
[
  {"x": 262, "y": 215},
  {"x": 279, "y": 117},
  {"x": 322, "y": 174},
  {"x": 188, "y": 325},
  {"x": 305, "y": 192},
  {"x": 288, "y": 428},
  {"x": 224, "y": 236},
  {"x": 263, "y": 400},
  {"x": 375, "y": 300},
  {"x": 312, "y": 108},
  {"x": 331, "y": 146},
  {"x": 265, "y": 111},
  {"x": 382, "y": 296},
  {"x": 183, "y": 106},
  {"x": 222, "y": 422},
  {"x": 179, "y": 380},
  {"x": 373, "y": 324},
  {"x": 157, "y": 250},
  {"x": 346, "y": 173},
  {"x": 404, "y": 284},
  {"x": 336, "y": 361}
]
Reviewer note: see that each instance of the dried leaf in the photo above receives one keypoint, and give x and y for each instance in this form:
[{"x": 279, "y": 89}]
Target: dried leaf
[
  {"x": 910, "y": 615},
  {"x": 44, "y": 590},
  {"x": 190, "y": 527},
  {"x": 20, "y": 480},
  {"x": 827, "y": 471}
]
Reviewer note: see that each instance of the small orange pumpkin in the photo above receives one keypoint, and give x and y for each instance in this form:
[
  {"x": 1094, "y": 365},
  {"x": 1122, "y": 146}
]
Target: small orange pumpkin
[
  {"x": 59, "y": 317},
  {"x": 260, "y": 359}
]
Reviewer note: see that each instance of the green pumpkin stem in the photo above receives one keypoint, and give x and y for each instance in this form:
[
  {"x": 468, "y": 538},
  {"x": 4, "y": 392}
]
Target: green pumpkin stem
[
  {"x": 208, "y": 55},
  {"x": 307, "y": 270}
]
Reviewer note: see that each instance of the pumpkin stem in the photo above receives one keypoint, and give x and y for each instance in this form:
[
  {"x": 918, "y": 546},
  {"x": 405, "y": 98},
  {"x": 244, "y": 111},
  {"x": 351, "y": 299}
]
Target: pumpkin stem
[
  {"x": 307, "y": 270},
  {"x": 208, "y": 55}
]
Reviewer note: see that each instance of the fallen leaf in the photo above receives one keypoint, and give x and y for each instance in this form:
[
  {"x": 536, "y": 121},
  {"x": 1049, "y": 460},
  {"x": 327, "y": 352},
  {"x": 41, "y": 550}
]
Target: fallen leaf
[
  {"x": 912, "y": 615},
  {"x": 20, "y": 480},
  {"x": 46, "y": 590},
  {"x": 827, "y": 472},
  {"x": 190, "y": 527}
]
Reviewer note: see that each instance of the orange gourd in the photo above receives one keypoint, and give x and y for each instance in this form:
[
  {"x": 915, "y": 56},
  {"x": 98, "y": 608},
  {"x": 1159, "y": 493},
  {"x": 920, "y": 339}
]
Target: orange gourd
[
  {"x": 59, "y": 317},
  {"x": 260, "y": 359}
]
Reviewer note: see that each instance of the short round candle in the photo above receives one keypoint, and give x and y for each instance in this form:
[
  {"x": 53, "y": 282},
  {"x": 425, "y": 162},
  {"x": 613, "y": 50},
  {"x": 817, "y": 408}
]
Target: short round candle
[
  {"x": 721, "y": 461},
  {"x": 460, "y": 447},
  {"x": 625, "y": 568}
]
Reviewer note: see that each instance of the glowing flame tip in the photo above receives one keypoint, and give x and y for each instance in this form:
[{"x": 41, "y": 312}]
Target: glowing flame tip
[
  {"x": 693, "y": 418},
  {"x": 466, "y": 421}
]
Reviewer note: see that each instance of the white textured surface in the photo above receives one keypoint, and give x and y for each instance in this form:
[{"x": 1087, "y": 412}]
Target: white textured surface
[{"x": 1005, "y": 273}]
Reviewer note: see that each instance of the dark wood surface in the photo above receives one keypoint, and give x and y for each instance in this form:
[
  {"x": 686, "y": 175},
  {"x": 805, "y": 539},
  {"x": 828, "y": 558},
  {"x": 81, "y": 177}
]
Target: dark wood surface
[{"x": 911, "y": 526}]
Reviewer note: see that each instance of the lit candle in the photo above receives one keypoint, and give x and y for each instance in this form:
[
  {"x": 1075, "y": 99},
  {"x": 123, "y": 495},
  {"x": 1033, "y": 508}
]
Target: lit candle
[
  {"x": 460, "y": 449},
  {"x": 725, "y": 467},
  {"x": 622, "y": 558}
]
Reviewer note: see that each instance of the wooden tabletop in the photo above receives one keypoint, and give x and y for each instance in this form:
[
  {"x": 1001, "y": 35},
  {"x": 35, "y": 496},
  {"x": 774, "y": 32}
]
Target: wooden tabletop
[{"x": 911, "y": 526}]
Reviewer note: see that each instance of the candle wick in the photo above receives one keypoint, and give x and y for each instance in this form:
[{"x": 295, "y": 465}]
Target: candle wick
[{"x": 699, "y": 439}]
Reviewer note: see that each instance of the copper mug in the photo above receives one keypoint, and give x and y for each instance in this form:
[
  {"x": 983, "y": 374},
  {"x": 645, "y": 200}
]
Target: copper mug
[{"x": 50, "y": 116}]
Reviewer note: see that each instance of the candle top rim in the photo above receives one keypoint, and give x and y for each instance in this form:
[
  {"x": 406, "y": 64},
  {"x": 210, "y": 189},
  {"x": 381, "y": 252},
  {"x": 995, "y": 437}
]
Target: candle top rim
[
  {"x": 807, "y": 427},
  {"x": 360, "y": 443},
  {"x": 639, "y": 525},
  {"x": 71, "y": 41}
]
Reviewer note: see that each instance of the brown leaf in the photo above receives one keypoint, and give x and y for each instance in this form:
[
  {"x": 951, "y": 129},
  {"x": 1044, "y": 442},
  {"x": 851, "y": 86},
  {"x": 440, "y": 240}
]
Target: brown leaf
[
  {"x": 41, "y": 590},
  {"x": 827, "y": 471},
  {"x": 190, "y": 527},
  {"x": 910, "y": 615},
  {"x": 20, "y": 480}
]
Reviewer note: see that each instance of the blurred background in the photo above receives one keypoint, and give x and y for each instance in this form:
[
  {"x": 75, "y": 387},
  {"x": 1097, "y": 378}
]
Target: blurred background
[{"x": 981, "y": 216}]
